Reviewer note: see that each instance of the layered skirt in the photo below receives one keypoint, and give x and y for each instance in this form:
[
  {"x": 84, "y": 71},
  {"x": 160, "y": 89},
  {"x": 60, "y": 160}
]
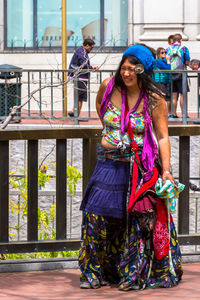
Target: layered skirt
[{"x": 119, "y": 248}]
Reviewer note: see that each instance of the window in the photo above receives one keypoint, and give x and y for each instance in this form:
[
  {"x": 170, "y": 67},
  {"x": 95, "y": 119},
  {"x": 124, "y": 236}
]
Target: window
[
  {"x": 49, "y": 23},
  {"x": 83, "y": 19},
  {"x": 37, "y": 23},
  {"x": 116, "y": 23},
  {"x": 19, "y": 23}
]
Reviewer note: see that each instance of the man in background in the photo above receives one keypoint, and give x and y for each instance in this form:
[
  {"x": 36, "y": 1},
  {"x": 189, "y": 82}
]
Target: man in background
[
  {"x": 170, "y": 39},
  {"x": 80, "y": 63}
]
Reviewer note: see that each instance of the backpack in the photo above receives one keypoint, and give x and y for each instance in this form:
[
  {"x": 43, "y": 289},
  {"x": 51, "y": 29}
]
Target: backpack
[{"x": 176, "y": 61}]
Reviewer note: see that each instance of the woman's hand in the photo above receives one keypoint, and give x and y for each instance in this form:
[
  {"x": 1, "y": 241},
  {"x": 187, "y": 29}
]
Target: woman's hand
[
  {"x": 168, "y": 59},
  {"x": 168, "y": 176}
]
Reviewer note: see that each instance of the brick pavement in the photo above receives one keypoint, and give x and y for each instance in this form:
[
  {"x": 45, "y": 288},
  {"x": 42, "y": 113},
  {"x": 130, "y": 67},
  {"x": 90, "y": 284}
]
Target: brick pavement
[{"x": 64, "y": 284}]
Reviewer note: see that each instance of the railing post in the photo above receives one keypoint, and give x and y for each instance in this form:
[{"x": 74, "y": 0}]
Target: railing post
[
  {"x": 88, "y": 95},
  {"x": 76, "y": 100},
  {"x": 4, "y": 190},
  {"x": 184, "y": 91},
  {"x": 89, "y": 159},
  {"x": 184, "y": 177},
  {"x": 32, "y": 190},
  {"x": 61, "y": 189}
]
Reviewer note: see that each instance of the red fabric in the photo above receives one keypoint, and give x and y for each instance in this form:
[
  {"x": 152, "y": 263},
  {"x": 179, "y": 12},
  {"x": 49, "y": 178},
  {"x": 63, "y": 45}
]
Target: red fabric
[
  {"x": 135, "y": 195},
  {"x": 161, "y": 241},
  {"x": 146, "y": 202},
  {"x": 160, "y": 233},
  {"x": 134, "y": 147}
]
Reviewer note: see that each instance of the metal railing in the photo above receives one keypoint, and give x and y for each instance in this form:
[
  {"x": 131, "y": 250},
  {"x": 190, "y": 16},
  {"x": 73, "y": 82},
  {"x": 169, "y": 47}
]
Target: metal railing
[
  {"x": 190, "y": 80},
  {"x": 90, "y": 138},
  {"x": 42, "y": 91}
]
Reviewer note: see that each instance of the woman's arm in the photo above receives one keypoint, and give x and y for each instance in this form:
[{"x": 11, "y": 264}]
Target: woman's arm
[
  {"x": 99, "y": 97},
  {"x": 160, "y": 124}
]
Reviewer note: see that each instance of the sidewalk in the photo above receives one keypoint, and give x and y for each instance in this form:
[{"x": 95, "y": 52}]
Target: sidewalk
[{"x": 64, "y": 284}]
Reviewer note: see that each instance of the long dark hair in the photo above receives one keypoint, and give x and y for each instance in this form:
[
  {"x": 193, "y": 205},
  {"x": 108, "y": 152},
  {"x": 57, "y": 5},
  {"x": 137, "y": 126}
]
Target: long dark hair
[{"x": 144, "y": 81}]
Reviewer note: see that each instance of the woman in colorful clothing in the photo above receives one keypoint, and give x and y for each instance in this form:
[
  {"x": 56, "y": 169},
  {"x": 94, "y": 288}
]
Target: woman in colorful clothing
[{"x": 134, "y": 249}]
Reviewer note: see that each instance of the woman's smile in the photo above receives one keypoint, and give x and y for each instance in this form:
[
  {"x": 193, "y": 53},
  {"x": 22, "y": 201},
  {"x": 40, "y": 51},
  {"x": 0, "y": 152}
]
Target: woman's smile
[{"x": 128, "y": 73}]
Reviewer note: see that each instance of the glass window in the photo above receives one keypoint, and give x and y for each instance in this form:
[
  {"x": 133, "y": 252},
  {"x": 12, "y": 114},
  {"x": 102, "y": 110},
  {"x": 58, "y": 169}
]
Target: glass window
[
  {"x": 49, "y": 14},
  {"x": 42, "y": 20},
  {"x": 19, "y": 23},
  {"x": 116, "y": 23},
  {"x": 83, "y": 21}
]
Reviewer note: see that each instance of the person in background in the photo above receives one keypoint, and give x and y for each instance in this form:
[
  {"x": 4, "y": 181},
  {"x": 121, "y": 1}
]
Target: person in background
[
  {"x": 163, "y": 79},
  {"x": 195, "y": 65},
  {"x": 80, "y": 59},
  {"x": 179, "y": 59},
  {"x": 170, "y": 39}
]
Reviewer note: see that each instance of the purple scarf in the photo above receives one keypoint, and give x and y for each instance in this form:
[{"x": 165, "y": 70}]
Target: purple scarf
[{"x": 150, "y": 150}]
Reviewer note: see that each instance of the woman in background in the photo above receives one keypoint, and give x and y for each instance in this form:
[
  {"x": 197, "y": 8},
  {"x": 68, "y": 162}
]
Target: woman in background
[{"x": 164, "y": 79}]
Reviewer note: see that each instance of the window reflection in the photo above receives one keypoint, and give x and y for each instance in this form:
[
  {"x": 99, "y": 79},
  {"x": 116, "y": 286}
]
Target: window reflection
[
  {"x": 49, "y": 23},
  {"x": 19, "y": 23},
  {"x": 83, "y": 18},
  {"x": 116, "y": 12},
  {"x": 83, "y": 21}
]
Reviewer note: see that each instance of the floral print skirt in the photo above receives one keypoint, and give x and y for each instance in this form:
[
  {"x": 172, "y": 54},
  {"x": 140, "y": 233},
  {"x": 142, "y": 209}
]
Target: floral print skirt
[
  {"x": 102, "y": 244},
  {"x": 139, "y": 268},
  {"x": 109, "y": 254}
]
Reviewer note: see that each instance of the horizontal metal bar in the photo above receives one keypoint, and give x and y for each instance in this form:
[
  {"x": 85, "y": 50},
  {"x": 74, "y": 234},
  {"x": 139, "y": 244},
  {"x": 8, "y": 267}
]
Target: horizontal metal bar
[
  {"x": 54, "y": 71},
  {"x": 70, "y": 245},
  {"x": 190, "y": 254},
  {"x": 89, "y": 70},
  {"x": 71, "y": 132},
  {"x": 80, "y": 119},
  {"x": 188, "y": 240},
  {"x": 39, "y": 246}
]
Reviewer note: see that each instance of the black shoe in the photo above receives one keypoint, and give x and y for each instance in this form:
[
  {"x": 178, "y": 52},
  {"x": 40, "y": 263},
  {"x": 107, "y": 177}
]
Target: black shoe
[
  {"x": 175, "y": 116},
  {"x": 71, "y": 114}
]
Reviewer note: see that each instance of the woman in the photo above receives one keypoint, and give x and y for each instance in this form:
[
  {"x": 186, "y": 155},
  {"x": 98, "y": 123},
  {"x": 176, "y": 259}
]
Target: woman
[
  {"x": 163, "y": 79},
  {"x": 128, "y": 105}
]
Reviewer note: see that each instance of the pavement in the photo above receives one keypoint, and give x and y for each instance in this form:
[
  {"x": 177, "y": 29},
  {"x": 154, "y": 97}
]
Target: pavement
[{"x": 64, "y": 284}]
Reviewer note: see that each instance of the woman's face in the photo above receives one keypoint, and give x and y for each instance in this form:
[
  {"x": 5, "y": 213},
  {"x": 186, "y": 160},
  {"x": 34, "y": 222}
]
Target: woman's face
[
  {"x": 162, "y": 53},
  {"x": 127, "y": 73}
]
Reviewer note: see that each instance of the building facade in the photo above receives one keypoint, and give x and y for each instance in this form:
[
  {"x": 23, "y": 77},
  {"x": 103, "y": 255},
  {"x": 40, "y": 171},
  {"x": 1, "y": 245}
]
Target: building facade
[{"x": 30, "y": 30}]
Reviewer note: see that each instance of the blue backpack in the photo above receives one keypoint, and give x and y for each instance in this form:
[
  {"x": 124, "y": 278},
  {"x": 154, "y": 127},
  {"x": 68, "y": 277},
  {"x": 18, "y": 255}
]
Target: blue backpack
[{"x": 176, "y": 61}]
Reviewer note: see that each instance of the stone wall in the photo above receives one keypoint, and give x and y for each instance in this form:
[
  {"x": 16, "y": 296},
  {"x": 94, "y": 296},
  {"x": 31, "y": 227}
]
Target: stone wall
[{"x": 47, "y": 196}]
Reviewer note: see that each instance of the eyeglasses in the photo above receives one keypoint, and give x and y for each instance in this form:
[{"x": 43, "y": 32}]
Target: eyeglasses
[
  {"x": 129, "y": 69},
  {"x": 162, "y": 52}
]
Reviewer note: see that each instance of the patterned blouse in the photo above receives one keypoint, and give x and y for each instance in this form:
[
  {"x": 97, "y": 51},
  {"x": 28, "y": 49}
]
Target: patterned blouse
[{"x": 112, "y": 132}]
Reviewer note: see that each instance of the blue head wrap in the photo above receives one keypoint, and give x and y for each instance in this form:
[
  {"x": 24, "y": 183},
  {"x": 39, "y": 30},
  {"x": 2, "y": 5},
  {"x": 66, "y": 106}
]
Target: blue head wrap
[{"x": 144, "y": 55}]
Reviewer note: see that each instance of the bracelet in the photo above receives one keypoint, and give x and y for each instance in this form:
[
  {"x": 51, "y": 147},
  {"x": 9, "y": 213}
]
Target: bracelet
[{"x": 167, "y": 172}]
